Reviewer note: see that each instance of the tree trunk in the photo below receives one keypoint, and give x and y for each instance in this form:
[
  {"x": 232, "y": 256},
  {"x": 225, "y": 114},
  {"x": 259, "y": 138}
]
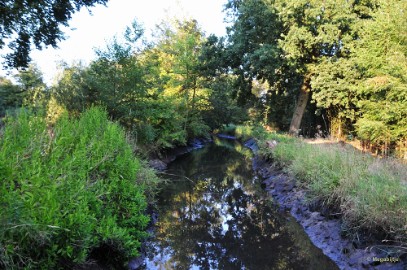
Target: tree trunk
[
  {"x": 193, "y": 96},
  {"x": 300, "y": 107}
]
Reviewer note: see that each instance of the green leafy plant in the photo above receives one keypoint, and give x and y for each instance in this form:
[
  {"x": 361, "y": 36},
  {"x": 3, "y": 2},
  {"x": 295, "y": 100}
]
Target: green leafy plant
[{"x": 67, "y": 190}]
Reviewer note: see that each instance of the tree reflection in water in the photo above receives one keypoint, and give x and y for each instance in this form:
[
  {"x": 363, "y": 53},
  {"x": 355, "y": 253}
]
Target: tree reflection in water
[{"x": 223, "y": 220}]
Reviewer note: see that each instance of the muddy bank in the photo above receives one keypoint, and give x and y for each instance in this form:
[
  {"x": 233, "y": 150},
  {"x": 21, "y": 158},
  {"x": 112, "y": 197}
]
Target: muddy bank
[
  {"x": 159, "y": 161},
  {"x": 323, "y": 228}
]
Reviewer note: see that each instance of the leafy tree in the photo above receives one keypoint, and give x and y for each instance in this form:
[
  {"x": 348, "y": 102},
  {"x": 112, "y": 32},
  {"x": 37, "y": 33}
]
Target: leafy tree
[
  {"x": 255, "y": 57},
  {"x": 127, "y": 82},
  {"x": 130, "y": 85},
  {"x": 26, "y": 22},
  {"x": 114, "y": 80},
  {"x": 381, "y": 56},
  {"x": 117, "y": 78},
  {"x": 10, "y": 95},
  {"x": 314, "y": 31},
  {"x": 212, "y": 67},
  {"x": 111, "y": 80},
  {"x": 179, "y": 48},
  {"x": 335, "y": 89},
  {"x": 252, "y": 52},
  {"x": 31, "y": 83},
  {"x": 71, "y": 89},
  {"x": 29, "y": 90},
  {"x": 223, "y": 107},
  {"x": 358, "y": 89},
  {"x": 289, "y": 43},
  {"x": 213, "y": 58}
]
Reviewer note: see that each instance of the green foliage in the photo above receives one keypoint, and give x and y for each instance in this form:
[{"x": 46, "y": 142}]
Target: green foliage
[
  {"x": 252, "y": 52},
  {"x": 30, "y": 91},
  {"x": 228, "y": 129},
  {"x": 351, "y": 53},
  {"x": 223, "y": 107},
  {"x": 178, "y": 50},
  {"x": 35, "y": 22},
  {"x": 244, "y": 132},
  {"x": 281, "y": 43},
  {"x": 68, "y": 189},
  {"x": 156, "y": 93},
  {"x": 380, "y": 56},
  {"x": 361, "y": 87},
  {"x": 335, "y": 87},
  {"x": 161, "y": 123},
  {"x": 31, "y": 83},
  {"x": 72, "y": 91},
  {"x": 10, "y": 96},
  {"x": 373, "y": 131},
  {"x": 370, "y": 192},
  {"x": 284, "y": 153}
]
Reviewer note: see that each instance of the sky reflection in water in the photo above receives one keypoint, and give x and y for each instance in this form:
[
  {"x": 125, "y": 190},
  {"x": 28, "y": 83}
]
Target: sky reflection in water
[{"x": 214, "y": 215}]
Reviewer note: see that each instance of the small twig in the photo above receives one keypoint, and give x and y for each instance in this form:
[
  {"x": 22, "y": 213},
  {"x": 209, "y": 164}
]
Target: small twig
[
  {"x": 394, "y": 241},
  {"x": 27, "y": 225},
  {"x": 176, "y": 176}
]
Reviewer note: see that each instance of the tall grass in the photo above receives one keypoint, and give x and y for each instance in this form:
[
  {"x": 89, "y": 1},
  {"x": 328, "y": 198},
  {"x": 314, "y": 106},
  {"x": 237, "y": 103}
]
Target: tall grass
[
  {"x": 371, "y": 193},
  {"x": 67, "y": 190}
]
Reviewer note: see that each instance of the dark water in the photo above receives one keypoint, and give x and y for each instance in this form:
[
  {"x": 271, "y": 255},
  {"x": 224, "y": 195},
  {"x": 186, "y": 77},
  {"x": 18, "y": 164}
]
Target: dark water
[{"x": 214, "y": 215}]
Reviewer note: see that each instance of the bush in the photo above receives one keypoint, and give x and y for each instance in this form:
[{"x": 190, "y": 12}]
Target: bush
[
  {"x": 243, "y": 132},
  {"x": 67, "y": 190}
]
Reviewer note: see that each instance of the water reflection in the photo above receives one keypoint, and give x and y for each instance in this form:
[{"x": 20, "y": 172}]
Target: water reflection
[{"x": 213, "y": 216}]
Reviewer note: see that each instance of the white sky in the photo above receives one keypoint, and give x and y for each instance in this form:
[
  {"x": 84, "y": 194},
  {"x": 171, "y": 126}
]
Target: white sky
[{"x": 93, "y": 31}]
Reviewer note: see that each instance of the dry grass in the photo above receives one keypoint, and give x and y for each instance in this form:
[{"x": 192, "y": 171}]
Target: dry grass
[{"x": 370, "y": 192}]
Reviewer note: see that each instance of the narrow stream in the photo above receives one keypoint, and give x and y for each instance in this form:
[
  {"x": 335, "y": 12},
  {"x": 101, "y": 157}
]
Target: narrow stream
[{"x": 213, "y": 214}]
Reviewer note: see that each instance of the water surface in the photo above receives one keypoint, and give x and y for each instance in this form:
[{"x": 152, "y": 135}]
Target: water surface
[{"x": 214, "y": 215}]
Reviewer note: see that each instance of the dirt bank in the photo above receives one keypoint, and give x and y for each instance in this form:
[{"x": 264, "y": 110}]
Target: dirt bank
[
  {"x": 323, "y": 227},
  {"x": 159, "y": 161}
]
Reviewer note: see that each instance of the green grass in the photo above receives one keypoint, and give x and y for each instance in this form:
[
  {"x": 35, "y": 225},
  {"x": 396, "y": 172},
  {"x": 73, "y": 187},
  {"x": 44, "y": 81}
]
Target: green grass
[
  {"x": 67, "y": 190},
  {"x": 371, "y": 193},
  {"x": 242, "y": 132}
]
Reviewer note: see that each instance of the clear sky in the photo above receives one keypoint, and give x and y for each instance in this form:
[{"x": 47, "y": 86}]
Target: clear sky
[{"x": 93, "y": 31}]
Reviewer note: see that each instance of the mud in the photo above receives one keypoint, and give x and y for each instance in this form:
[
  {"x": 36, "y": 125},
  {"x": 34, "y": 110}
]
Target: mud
[
  {"x": 159, "y": 161},
  {"x": 324, "y": 229}
]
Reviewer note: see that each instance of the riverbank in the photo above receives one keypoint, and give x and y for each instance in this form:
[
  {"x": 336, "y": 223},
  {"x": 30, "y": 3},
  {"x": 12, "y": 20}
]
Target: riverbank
[
  {"x": 351, "y": 205},
  {"x": 351, "y": 245},
  {"x": 159, "y": 161},
  {"x": 325, "y": 229}
]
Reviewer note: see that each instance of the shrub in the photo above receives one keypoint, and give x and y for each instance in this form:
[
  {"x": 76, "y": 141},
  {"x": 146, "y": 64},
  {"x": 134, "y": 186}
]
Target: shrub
[
  {"x": 67, "y": 190},
  {"x": 245, "y": 132},
  {"x": 228, "y": 129}
]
